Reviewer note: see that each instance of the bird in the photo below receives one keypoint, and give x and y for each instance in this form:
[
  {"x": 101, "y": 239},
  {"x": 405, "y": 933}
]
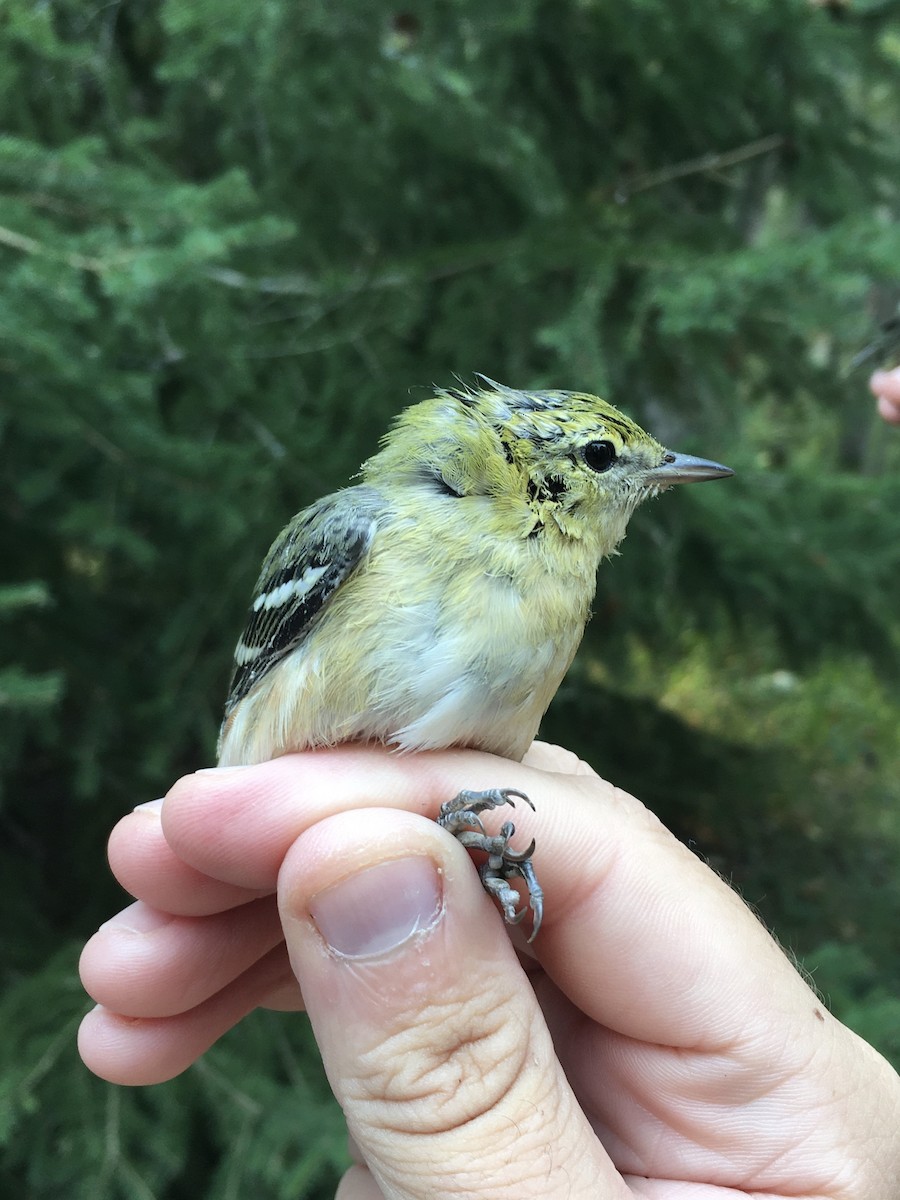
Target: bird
[{"x": 440, "y": 600}]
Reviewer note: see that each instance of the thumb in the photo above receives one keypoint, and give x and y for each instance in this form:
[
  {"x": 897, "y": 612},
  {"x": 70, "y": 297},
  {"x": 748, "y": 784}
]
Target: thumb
[{"x": 430, "y": 1032}]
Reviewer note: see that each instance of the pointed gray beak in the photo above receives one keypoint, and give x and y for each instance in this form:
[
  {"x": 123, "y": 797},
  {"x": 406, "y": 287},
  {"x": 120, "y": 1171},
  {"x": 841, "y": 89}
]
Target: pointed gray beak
[{"x": 684, "y": 468}]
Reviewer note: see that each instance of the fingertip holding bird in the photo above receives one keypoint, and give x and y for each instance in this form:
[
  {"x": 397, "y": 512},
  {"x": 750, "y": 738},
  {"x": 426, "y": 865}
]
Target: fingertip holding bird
[
  {"x": 237, "y": 825},
  {"x": 378, "y": 909},
  {"x": 369, "y": 882},
  {"x": 392, "y": 876}
]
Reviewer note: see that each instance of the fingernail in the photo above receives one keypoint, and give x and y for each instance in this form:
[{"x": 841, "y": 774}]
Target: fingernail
[
  {"x": 150, "y": 806},
  {"x": 380, "y": 908}
]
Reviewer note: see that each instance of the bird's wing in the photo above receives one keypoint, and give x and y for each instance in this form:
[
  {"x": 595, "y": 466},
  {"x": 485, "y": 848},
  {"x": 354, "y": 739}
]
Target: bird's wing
[{"x": 310, "y": 559}]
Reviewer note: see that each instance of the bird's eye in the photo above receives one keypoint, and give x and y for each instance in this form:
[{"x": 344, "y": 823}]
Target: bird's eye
[{"x": 600, "y": 456}]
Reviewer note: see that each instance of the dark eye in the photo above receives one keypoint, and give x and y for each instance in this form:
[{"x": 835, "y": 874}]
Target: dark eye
[{"x": 600, "y": 456}]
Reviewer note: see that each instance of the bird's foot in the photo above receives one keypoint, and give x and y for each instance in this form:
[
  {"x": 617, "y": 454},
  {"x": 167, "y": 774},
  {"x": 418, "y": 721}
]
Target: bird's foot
[{"x": 460, "y": 817}]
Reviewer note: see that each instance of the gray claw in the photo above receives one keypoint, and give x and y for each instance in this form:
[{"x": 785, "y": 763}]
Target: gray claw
[{"x": 460, "y": 817}]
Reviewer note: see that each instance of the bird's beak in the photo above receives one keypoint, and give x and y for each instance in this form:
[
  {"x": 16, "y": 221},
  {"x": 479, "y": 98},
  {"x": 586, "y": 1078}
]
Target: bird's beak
[{"x": 684, "y": 468}]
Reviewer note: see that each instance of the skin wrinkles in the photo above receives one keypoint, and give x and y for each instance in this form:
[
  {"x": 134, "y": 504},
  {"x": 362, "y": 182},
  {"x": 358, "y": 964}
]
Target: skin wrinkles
[
  {"x": 454, "y": 1061},
  {"x": 508, "y": 1125}
]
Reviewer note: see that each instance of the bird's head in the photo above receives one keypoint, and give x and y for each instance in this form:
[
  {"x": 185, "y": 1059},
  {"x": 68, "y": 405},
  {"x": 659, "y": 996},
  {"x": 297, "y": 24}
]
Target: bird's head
[{"x": 567, "y": 462}]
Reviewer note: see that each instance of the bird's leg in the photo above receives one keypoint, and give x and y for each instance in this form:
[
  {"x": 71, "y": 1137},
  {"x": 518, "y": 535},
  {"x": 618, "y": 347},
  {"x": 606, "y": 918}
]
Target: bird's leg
[{"x": 460, "y": 817}]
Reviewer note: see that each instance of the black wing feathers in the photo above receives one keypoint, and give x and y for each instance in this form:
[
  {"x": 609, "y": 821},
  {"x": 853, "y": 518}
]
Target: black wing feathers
[{"x": 307, "y": 563}]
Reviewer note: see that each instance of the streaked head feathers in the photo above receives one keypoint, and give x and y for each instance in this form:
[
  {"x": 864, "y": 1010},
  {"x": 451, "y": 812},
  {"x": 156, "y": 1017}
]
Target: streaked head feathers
[{"x": 571, "y": 461}]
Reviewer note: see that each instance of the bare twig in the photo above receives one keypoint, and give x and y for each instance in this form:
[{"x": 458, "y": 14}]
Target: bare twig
[{"x": 714, "y": 161}]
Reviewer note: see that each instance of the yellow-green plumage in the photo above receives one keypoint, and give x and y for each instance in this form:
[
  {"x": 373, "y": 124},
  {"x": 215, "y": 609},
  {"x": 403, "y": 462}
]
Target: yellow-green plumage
[{"x": 441, "y": 600}]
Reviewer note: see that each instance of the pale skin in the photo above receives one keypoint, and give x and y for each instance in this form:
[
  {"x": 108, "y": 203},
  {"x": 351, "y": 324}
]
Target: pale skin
[
  {"x": 885, "y": 386},
  {"x": 654, "y": 1041}
]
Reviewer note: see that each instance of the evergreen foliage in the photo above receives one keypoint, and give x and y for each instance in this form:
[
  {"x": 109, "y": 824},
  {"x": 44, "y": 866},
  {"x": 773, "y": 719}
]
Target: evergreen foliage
[{"x": 235, "y": 239}]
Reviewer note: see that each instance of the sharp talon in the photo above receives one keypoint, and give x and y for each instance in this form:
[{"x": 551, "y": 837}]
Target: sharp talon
[
  {"x": 520, "y": 856},
  {"x": 535, "y": 899}
]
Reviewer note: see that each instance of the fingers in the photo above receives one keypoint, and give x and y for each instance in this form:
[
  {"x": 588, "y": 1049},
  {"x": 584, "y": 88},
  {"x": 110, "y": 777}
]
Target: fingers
[
  {"x": 667, "y": 1003},
  {"x": 235, "y": 824},
  {"x": 173, "y": 972},
  {"x": 143, "y": 1050},
  {"x": 545, "y": 757},
  {"x": 255, "y": 813},
  {"x": 885, "y": 385},
  {"x": 146, "y": 866},
  {"x": 145, "y": 963},
  {"x": 614, "y": 879},
  {"x": 436, "y": 1051}
]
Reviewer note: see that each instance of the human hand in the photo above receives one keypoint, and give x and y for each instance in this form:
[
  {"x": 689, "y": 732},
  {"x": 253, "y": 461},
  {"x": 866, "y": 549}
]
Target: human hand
[
  {"x": 653, "y": 1042},
  {"x": 885, "y": 385}
]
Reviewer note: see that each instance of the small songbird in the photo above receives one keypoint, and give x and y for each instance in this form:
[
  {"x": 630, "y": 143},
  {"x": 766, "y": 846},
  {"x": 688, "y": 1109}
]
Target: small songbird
[{"x": 440, "y": 601}]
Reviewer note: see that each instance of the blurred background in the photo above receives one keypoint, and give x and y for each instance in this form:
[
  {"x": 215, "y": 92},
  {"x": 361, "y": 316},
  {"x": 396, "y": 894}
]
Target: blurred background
[{"x": 235, "y": 239}]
